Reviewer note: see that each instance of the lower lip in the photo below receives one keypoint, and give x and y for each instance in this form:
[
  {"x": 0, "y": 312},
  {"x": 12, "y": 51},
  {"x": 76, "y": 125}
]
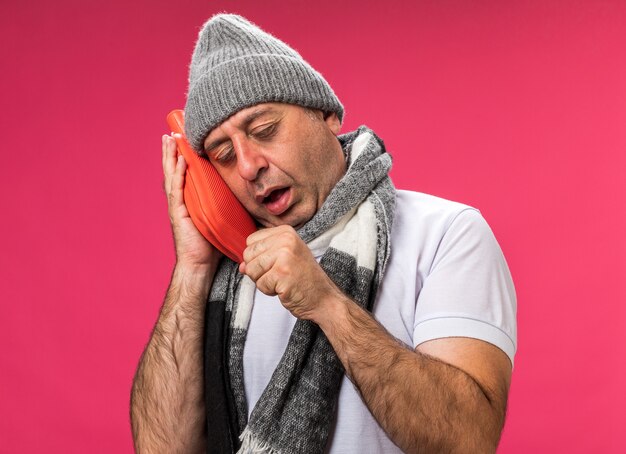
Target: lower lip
[{"x": 278, "y": 207}]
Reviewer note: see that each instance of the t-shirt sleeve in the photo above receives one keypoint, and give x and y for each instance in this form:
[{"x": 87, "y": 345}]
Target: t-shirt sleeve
[{"x": 468, "y": 291}]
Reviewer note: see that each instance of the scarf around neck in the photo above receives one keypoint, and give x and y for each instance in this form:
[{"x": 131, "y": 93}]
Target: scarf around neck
[{"x": 295, "y": 411}]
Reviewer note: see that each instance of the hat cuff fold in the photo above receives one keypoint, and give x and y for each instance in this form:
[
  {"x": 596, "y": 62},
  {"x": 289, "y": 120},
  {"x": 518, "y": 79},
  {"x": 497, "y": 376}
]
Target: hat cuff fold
[{"x": 253, "y": 79}]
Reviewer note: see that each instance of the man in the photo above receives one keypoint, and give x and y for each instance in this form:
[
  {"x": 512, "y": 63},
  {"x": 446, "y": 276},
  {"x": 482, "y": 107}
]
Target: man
[{"x": 362, "y": 318}]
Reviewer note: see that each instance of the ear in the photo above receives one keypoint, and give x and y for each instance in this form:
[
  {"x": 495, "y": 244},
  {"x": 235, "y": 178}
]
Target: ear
[{"x": 332, "y": 121}]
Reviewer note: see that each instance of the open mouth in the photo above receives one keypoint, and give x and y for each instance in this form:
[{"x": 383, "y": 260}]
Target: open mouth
[
  {"x": 277, "y": 201},
  {"x": 274, "y": 195}
]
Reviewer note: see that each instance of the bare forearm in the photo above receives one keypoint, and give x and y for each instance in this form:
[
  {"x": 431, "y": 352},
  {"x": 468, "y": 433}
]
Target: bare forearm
[
  {"x": 167, "y": 406},
  {"x": 423, "y": 404}
]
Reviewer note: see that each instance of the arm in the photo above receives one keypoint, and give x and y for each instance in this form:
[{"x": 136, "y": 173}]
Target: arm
[
  {"x": 167, "y": 400},
  {"x": 448, "y": 395}
]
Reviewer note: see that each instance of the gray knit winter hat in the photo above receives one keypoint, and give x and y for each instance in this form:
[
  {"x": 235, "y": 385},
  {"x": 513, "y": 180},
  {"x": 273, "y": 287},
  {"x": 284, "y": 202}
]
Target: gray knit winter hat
[{"x": 236, "y": 65}]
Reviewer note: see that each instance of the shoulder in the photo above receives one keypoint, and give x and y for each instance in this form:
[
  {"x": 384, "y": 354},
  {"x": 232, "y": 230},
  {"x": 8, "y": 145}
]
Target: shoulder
[
  {"x": 429, "y": 218},
  {"x": 463, "y": 287},
  {"x": 431, "y": 228},
  {"x": 421, "y": 207}
]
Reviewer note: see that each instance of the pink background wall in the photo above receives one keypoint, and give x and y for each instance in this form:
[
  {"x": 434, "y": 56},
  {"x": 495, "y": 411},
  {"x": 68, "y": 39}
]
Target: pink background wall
[{"x": 517, "y": 108}]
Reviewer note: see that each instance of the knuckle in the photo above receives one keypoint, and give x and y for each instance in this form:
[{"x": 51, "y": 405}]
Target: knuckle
[
  {"x": 258, "y": 277},
  {"x": 284, "y": 268},
  {"x": 287, "y": 238},
  {"x": 254, "y": 271},
  {"x": 261, "y": 283},
  {"x": 269, "y": 283},
  {"x": 261, "y": 262},
  {"x": 256, "y": 247}
]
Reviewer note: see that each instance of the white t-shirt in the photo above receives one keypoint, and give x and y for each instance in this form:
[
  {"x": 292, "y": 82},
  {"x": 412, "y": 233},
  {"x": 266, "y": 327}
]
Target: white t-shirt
[{"x": 446, "y": 277}]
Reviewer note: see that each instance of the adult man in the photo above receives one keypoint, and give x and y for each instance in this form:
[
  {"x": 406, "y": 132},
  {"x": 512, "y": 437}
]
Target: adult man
[{"x": 429, "y": 371}]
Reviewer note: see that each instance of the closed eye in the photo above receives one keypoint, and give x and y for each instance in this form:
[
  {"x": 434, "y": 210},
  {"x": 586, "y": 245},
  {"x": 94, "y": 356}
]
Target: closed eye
[
  {"x": 223, "y": 155},
  {"x": 264, "y": 132}
]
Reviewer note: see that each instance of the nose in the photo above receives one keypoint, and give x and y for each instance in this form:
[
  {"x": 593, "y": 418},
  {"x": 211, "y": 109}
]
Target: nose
[{"x": 250, "y": 158}]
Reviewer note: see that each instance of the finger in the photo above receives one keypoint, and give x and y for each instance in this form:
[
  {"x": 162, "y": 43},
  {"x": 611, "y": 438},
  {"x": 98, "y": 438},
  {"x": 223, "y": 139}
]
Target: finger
[
  {"x": 163, "y": 161},
  {"x": 170, "y": 162},
  {"x": 267, "y": 284},
  {"x": 256, "y": 248},
  {"x": 163, "y": 138},
  {"x": 178, "y": 181},
  {"x": 259, "y": 266},
  {"x": 261, "y": 234},
  {"x": 261, "y": 241},
  {"x": 169, "y": 156}
]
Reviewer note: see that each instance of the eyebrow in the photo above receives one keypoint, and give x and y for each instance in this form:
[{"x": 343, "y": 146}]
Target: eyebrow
[{"x": 244, "y": 124}]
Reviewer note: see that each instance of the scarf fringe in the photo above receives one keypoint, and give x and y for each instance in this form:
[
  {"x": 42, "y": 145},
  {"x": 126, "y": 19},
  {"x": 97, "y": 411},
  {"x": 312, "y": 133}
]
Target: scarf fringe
[{"x": 250, "y": 444}]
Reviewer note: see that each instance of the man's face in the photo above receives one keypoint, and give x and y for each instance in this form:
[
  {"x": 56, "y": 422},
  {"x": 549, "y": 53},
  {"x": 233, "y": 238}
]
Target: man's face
[{"x": 280, "y": 160}]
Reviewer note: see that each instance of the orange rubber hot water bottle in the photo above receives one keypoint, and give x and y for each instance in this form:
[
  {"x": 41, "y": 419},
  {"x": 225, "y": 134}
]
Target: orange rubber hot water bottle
[{"x": 214, "y": 209}]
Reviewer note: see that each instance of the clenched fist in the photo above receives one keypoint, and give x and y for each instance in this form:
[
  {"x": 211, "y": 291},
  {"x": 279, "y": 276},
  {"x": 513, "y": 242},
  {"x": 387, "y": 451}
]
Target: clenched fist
[{"x": 281, "y": 264}]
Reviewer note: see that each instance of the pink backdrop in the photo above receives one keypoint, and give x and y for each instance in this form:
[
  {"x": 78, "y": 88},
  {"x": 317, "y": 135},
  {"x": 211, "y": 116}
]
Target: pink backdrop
[{"x": 517, "y": 108}]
